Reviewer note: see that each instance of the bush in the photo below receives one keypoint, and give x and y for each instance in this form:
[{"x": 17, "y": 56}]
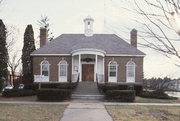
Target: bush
[
  {"x": 156, "y": 94},
  {"x": 121, "y": 95},
  {"x": 35, "y": 86},
  {"x": 17, "y": 93},
  {"x": 48, "y": 94},
  {"x": 31, "y": 87},
  {"x": 138, "y": 89},
  {"x": 69, "y": 86},
  {"x": 1, "y": 85},
  {"x": 106, "y": 87}
]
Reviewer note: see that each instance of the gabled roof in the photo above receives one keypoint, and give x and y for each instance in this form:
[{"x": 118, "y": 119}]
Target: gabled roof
[{"x": 110, "y": 43}]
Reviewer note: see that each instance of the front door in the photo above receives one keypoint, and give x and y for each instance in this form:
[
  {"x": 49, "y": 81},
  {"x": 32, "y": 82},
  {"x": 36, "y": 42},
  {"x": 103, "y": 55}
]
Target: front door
[{"x": 88, "y": 72}]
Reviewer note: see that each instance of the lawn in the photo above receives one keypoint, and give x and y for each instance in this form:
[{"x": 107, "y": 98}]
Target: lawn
[
  {"x": 28, "y": 112},
  {"x": 144, "y": 113},
  {"x": 152, "y": 100}
]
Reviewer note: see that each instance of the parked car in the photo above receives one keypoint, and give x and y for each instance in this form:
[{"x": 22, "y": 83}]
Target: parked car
[
  {"x": 8, "y": 87},
  {"x": 21, "y": 86}
]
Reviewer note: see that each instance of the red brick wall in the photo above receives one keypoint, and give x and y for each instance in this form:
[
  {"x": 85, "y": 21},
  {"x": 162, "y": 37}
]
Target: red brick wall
[
  {"x": 122, "y": 61},
  {"x": 53, "y": 60}
]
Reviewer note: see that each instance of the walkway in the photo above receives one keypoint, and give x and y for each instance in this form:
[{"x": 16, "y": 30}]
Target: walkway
[{"x": 86, "y": 112}]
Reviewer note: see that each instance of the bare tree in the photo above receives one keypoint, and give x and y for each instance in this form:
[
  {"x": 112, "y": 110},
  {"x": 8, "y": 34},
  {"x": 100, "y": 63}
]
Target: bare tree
[
  {"x": 44, "y": 23},
  {"x": 159, "y": 19},
  {"x": 12, "y": 37},
  {"x": 13, "y": 63},
  {"x": 165, "y": 20},
  {"x": 14, "y": 60},
  {"x": 162, "y": 84}
]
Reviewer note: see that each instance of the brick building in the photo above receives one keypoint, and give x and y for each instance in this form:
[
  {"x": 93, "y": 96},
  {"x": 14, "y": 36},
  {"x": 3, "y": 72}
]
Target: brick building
[{"x": 92, "y": 57}]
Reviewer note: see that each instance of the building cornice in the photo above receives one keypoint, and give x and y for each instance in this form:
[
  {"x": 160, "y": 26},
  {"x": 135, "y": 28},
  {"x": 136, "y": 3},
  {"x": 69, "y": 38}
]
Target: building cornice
[
  {"x": 50, "y": 54},
  {"x": 125, "y": 55}
]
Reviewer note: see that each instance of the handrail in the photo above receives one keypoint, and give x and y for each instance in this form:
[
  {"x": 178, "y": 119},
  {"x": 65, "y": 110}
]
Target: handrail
[{"x": 99, "y": 77}]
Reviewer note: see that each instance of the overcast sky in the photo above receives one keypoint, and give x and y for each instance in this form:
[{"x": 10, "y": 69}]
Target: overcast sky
[{"x": 66, "y": 16}]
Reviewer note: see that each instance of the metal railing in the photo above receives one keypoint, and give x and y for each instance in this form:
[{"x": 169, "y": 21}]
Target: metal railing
[
  {"x": 99, "y": 78},
  {"x": 75, "y": 77}
]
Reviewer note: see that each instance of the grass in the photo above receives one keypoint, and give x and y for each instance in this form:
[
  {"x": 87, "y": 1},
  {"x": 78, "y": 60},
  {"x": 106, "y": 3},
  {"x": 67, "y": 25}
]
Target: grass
[
  {"x": 29, "y": 112},
  {"x": 152, "y": 100},
  {"x": 144, "y": 113}
]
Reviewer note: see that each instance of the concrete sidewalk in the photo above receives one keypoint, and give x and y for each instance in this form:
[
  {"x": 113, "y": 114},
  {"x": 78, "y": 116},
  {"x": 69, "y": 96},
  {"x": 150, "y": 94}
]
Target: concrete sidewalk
[
  {"x": 86, "y": 112},
  {"x": 143, "y": 104},
  {"x": 75, "y": 102}
]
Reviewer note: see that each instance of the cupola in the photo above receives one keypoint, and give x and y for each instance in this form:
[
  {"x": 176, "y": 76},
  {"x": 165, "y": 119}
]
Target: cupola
[{"x": 88, "y": 26}]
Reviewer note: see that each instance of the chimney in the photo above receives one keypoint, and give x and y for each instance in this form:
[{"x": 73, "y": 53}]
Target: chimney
[
  {"x": 133, "y": 38},
  {"x": 43, "y": 36}
]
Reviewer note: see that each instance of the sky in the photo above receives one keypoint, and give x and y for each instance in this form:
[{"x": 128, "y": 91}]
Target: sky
[{"x": 66, "y": 16}]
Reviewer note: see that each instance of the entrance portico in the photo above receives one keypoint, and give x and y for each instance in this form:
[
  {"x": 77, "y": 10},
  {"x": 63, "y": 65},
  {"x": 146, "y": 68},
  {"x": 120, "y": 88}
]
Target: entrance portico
[{"x": 89, "y": 64}]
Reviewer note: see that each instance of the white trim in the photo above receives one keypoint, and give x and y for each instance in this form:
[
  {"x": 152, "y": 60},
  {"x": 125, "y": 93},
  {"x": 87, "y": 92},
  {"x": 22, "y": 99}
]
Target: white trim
[
  {"x": 66, "y": 77},
  {"x": 72, "y": 68},
  {"x": 50, "y": 54},
  {"x": 125, "y": 55},
  {"x": 80, "y": 72},
  {"x": 131, "y": 79},
  {"x": 103, "y": 69},
  {"x": 95, "y": 70},
  {"x": 88, "y": 51},
  {"x": 104, "y": 54},
  {"x": 111, "y": 78},
  {"x": 48, "y": 71}
]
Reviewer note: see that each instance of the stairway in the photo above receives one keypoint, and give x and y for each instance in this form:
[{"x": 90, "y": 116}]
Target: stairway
[{"x": 87, "y": 90}]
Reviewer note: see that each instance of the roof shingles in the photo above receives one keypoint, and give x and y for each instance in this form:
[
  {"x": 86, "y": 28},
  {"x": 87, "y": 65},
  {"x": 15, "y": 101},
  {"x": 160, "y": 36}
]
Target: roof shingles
[{"x": 110, "y": 43}]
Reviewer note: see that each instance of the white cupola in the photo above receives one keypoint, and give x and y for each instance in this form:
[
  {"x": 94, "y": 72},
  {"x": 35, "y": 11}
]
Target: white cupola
[{"x": 88, "y": 26}]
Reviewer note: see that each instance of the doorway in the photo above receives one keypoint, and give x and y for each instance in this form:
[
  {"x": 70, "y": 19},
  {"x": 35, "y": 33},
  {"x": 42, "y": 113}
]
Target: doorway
[{"x": 88, "y": 72}]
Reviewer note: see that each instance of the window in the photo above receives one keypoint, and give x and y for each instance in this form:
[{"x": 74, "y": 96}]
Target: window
[
  {"x": 45, "y": 68},
  {"x": 88, "y": 25},
  {"x": 130, "y": 71},
  {"x": 63, "y": 68},
  {"x": 112, "y": 69}
]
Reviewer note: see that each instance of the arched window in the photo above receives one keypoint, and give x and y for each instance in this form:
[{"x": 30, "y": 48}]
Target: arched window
[
  {"x": 112, "y": 70},
  {"x": 130, "y": 71},
  {"x": 63, "y": 71},
  {"x": 45, "y": 70}
]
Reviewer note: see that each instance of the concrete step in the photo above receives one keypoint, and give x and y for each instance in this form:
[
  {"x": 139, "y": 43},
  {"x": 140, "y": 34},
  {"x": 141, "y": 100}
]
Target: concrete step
[
  {"x": 87, "y": 93},
  {"x": 87, "y": 90},
  {"x": 89, "y": 97}
]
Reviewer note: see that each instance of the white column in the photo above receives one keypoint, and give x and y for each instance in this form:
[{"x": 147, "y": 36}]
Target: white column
[
  {"x": 80, "y": 74},
  {"x": 103, "y": 70},
  {"x": 96, "y": 68},
  {"x": 72, "y": 65}
]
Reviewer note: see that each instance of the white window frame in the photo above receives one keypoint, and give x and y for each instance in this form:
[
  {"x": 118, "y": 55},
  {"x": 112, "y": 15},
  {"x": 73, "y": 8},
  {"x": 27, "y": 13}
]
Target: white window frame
[
  {"x": 130, "y": 66},
  {"x": 63, "y": 78},
  {"x": 46, "y": 78},
  {"x": 112, "y": 78}
]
